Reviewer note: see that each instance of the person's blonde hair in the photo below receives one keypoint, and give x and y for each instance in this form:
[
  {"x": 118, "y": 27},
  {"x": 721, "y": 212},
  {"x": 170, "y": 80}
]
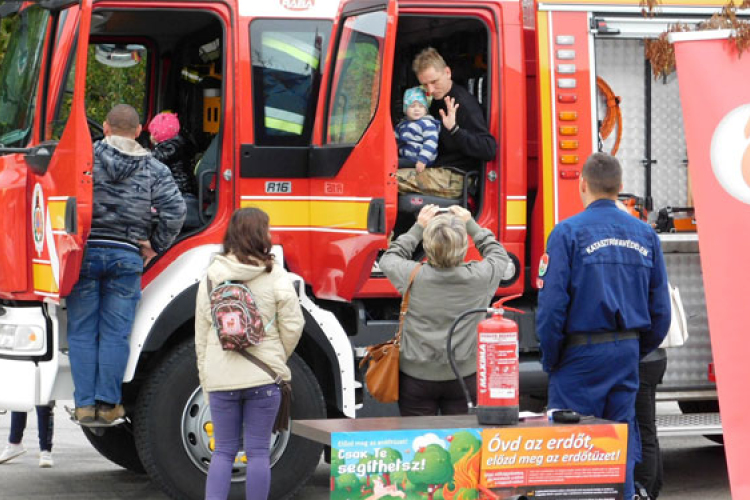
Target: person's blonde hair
[
  {"x": 445, "y": 241},
  {"x": 428, "y": 58}
]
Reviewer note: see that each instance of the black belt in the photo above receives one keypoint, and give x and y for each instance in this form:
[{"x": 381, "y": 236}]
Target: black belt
[{"x": 598, "y": 338}]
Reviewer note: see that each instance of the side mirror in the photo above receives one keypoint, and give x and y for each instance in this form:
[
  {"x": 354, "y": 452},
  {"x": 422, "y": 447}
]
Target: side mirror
[{"x": 119, "y": 56}]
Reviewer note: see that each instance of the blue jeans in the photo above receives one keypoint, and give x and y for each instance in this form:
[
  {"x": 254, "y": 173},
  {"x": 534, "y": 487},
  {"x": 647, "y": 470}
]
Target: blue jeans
[
  {"x": 45, "y": 422},
  {"x": 255, "y": 409},
  {"x": 101, "y": 311}
]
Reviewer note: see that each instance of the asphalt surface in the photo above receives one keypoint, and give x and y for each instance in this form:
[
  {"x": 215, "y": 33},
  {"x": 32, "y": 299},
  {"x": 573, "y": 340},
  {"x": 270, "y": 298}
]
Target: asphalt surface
[{"x": 695, "y": 468}]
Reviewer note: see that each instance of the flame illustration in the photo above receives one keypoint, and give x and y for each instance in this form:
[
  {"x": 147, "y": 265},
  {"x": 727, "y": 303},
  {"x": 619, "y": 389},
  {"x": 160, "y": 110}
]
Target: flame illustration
[{"x": 465, "y": 476}]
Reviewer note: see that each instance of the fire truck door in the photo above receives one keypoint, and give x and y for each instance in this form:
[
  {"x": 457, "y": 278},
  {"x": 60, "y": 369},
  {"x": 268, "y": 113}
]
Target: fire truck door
[
  {"x": 354, "y": 163},
  {"x": 61, "y": 202}
]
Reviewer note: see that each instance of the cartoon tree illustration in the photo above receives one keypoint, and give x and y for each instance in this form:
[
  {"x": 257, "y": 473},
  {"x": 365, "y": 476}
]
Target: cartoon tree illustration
[
  {"x": 389, "y": 456},
  {"x": 401, "y": 479},
  {"x": 463, "y": 443},
  {"x": 437, "y": 470},
  {"x": 336, "y": 462},
  {"x": 347, "y": 487}
]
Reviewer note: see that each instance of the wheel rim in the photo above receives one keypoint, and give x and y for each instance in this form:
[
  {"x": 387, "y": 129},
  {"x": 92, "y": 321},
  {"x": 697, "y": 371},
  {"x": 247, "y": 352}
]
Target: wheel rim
[{"x": 196, "y": 431}]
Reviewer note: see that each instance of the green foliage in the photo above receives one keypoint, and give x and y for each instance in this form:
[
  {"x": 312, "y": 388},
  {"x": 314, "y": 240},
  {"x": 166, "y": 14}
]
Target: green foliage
[
  {"x": 106, "y": 87},
  {"x": 463, "y": 443},
  {"x": 4, "y": 36},
  {"x": 357, "y": 93},
  {"x": 437, "y": 470},
  {"x": 349, "y": 483},
  {"x": 390, "y": 455},
  {"x": 336, "y": 462}
]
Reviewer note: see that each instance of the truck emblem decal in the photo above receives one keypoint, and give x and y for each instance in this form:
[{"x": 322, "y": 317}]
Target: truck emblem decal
[
  {"x": 297, "y": 4},
  {"x": 730, "y": 153},
  {"x": 37, "y": 218}
]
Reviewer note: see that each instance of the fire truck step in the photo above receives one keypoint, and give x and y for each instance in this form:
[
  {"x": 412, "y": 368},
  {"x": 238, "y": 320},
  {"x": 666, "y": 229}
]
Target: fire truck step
[{"x": 694, "y": 424}]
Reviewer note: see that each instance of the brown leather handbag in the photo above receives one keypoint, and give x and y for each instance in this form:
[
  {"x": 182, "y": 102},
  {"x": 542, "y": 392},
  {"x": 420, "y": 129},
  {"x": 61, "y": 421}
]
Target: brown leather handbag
[{"x": 382, "y": 373}]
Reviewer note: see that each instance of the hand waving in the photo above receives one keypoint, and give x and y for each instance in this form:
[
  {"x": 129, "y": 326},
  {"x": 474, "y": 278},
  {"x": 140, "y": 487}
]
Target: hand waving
[{"x": 449, "y": 117}]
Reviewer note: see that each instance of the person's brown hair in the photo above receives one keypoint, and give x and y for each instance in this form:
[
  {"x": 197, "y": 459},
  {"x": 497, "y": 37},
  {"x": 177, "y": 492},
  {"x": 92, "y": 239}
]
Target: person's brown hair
[
  {"x": 603, "y": 174},
  {"x": 124, "y": 119},
  {"x": 247, "y": 237},
  {"x": 428, "y": 58}
]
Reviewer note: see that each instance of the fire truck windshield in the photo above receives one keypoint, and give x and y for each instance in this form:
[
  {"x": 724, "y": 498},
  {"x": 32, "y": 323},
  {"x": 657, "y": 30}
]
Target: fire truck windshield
[{"x": 19, "y": 74}]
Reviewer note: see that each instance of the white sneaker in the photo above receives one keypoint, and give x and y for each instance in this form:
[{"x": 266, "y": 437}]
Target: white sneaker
[
  {"x": 11, "y": 451},
  {"x": 45, "y": 459}
]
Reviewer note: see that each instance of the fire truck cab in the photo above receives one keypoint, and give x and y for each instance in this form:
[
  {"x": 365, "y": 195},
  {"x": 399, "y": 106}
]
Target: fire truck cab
[{"x": 289, "y": 105}]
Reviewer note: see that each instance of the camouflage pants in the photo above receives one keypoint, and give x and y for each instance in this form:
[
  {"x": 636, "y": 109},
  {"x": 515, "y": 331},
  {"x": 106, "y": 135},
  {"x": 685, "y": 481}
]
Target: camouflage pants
[{"x": 436, "y": 181}]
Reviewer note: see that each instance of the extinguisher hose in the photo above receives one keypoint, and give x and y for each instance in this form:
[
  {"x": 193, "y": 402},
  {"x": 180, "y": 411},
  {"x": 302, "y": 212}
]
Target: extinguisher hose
[{"x": 452, "y": 358}]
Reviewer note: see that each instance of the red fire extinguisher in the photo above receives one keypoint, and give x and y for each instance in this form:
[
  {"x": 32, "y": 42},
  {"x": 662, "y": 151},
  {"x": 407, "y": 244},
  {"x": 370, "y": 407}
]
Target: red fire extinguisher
[{"x": 497, "y": 365}]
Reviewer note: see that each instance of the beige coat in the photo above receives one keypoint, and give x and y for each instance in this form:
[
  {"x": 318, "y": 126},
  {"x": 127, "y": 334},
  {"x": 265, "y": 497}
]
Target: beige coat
[{"x": 221, "y": 370}]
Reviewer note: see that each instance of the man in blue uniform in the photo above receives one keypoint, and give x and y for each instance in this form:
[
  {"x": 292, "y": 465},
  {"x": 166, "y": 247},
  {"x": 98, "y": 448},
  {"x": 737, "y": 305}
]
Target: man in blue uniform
[{"x": 603, "y": 304}]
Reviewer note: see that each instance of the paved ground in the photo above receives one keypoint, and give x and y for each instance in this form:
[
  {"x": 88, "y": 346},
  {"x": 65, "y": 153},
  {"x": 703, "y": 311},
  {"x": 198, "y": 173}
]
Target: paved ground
[{"x": 695, "y": 468}]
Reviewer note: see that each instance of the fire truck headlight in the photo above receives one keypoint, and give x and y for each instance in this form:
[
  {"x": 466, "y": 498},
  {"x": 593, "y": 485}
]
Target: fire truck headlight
[{"x": 21, "y": 339}]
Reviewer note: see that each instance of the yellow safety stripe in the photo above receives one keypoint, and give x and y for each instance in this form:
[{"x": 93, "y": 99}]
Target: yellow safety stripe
[
  {"x": 283, "y": 125},
  {"x": 44, "y": 279},
  {"x": 314, "y": 213},
  {"x": 545, "y": 97},
  {"x": 293, "y": 51},
  {"x": 57, "y": 213},
  {"x": 516, "y": 212}
]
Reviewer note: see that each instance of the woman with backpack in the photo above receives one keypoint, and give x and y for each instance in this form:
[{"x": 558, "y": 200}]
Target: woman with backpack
[{"x": 243, "y": 397}]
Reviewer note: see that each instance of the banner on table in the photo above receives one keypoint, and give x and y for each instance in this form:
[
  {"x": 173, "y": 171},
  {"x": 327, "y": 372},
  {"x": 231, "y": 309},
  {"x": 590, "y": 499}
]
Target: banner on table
[
  {"x": 410, "y": 464},
  {"x": 715, "y": 98},
  {"x": 572, "y": 462},
  {"x": 547, "y": 461}
]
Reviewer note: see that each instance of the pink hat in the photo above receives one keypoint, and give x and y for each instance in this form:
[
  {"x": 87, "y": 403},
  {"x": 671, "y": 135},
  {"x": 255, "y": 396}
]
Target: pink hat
[{"x": 164, "y": 126}]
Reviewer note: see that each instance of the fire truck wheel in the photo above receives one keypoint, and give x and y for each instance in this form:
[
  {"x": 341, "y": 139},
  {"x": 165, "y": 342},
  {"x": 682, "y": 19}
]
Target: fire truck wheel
[
  {"x": 174, "y": 436},
  {"x": 117, "y": 445},
  {"x": 705, "y": 406}
]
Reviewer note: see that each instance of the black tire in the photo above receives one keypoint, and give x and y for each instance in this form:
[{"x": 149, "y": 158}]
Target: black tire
[
  {"x": 290, "y": 473},
  {"x": 117, "y": 444},
  {"x": 170, "y": 413},
  {"x": 702, "y": 406}
]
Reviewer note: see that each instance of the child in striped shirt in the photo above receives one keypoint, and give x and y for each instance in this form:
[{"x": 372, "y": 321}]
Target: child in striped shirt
[{"x": 417, "y": 134}]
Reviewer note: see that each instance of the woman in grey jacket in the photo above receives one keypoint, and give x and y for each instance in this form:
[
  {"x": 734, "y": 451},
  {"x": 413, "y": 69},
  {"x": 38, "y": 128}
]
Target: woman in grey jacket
[{"x": 444, "y": 287}]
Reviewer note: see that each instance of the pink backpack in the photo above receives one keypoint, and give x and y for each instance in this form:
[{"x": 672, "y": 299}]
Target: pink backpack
[{"x": 235, "y": 315}]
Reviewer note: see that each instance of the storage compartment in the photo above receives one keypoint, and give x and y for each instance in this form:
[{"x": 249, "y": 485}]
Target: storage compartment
[{"x": 652, "y": 148}]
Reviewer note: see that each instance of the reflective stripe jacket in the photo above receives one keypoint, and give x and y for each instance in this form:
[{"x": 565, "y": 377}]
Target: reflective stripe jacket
[{"x": 603, "y": 272}]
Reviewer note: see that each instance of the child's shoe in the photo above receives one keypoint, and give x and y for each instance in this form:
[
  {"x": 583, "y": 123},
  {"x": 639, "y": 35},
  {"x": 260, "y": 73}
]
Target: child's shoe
[
  {"x": 45, "y": 460},
  {"x": 11, "y": 451}
]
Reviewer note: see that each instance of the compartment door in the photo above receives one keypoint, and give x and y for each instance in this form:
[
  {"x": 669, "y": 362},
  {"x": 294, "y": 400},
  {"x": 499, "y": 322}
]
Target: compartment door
[
  {"x": 61, "y": 201},
  {"x": 353, "y": 168}
]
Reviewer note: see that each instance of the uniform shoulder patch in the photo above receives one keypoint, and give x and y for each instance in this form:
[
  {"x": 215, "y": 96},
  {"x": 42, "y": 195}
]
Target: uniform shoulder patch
[
  {"x": 543, "y": 263},
  {"x": 539, "y": 283}
]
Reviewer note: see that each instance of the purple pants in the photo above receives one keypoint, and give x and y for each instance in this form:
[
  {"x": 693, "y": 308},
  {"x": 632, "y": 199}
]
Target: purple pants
[{"x": 254, "y": 410}]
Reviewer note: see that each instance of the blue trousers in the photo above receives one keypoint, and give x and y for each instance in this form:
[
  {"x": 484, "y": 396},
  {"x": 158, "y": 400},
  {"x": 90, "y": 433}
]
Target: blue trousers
[
  {"x": 101, "y": 311},
  {"x": 601, "y": 380},
  {"x": 253, "y": 410},
  {"x": 45, "y": 423}
]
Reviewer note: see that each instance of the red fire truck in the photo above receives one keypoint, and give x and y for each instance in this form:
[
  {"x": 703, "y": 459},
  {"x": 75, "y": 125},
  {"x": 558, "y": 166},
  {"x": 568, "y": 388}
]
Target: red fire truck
[{"x": 290, "y": 105}]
